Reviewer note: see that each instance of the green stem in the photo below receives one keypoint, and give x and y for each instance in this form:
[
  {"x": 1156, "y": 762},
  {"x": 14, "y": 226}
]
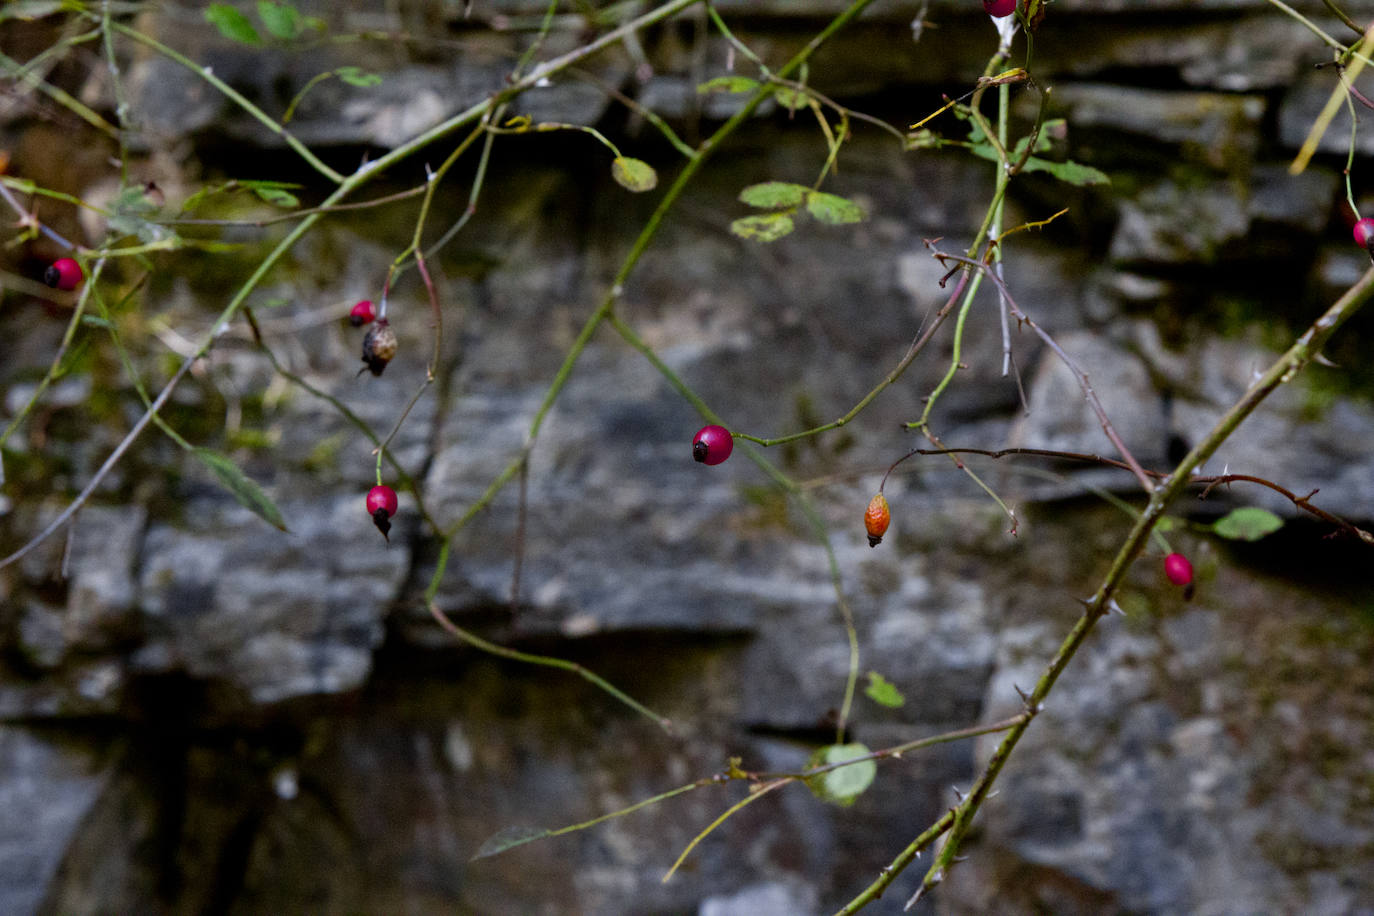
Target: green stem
[
  {"x": 61, "y": 97},
  {"x": 54, "y": 369},
  {"x": 230, "y": 92},
  {"x": 346, "y": 187},
  {"x": 641, "y": 244},
  {"x": 546, "y": 661},
  {"x": 1284, "y": 369}
]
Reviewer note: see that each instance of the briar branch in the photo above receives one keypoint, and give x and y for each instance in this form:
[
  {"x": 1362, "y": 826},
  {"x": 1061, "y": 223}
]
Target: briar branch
[{"x": 1082, "y": 377}]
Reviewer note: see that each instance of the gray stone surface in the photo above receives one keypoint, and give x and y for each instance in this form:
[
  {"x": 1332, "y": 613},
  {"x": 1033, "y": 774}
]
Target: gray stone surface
[
  {"x": 48, "y": 791},
  {"x": 293, "y": 731}
]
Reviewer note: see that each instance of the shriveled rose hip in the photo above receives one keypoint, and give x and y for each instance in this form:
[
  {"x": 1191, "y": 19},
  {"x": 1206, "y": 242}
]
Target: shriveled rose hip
[
  {"x": 876, "y": 519},
  {"x": 379, "y": 346}
]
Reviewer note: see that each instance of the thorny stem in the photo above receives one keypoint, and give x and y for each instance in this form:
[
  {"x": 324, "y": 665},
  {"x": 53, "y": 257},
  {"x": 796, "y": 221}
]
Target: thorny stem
[
  {"x": 1303, "y": 350},
  {"x": 1082, "y": 378},
  {"x": 1208, "y": 483},
  {"x": 733, "y": 772}
]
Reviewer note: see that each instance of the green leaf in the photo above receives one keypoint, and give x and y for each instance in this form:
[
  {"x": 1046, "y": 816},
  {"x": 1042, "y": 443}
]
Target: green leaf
[
  {"x": 883, "y": 692},
  {"x": 232, "y": 24},
  {"x": 983, "y": 151},
  {"x": 274, "y": 192},
  {"x": 833, "y": 209},
  {"x": 635, "y": 174},
  {"x": 843, "y": 785},
  {"x": 767, "y": 228},
  {"x": 1247, "y": 524},
  {"x": 729, "y": 84},
  {"x": 30, "y": 10},
  {"x": 770, "y": 195},
  {"x": 1072, "y": 172},
  {"x": 281, "y": 19},
  {"x": 248, "y": 493},
  {"x": 791, "y": 99},
  {"x": 278, "y": 198},
  {"x": 355, "y": 76},
  {"x": 1043, "y": 140},
  {"x": 508, "y": 838},
  {"x": 924, "y": 139},
  {"x": 129, "y": 216}
]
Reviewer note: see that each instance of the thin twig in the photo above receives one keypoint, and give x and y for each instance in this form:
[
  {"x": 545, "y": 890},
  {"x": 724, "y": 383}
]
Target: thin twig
[
  {"x": 546, "y": 661},
  {"x": 1079, "y": 374},
  {"x": 104, "y": 469},
  {"x": 918, "y": 343},
  {"x": 1208, "y": 483},
  {"x": 1283, "y": 369}
]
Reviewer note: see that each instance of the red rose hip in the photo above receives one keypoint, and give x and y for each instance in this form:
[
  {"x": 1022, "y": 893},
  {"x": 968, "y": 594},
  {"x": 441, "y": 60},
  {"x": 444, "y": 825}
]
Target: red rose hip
[
  {"x": 65, "y": 273},
  {"x": 1178, "y": 570},
  {"x": 361, "y": 314},
  {"x": 1364, "y": 232},
  {"x": 712, "y": 444},
  {"x": 381, "y": 505},
  {"x": 999, "y": 9}
]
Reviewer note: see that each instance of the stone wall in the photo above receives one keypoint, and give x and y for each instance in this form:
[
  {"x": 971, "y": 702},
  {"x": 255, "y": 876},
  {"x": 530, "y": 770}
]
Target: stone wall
[{"x": 203, "y": 714}]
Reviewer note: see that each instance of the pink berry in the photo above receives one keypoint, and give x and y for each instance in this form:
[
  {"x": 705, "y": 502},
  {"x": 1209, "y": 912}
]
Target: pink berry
[
  {"x": 381, "y": 505},
  {"x": 1178, "y": 569},
  {"x": 1364, "y": 232},
  {"x": 65, "y": 273},
  {"x": 999, "y": 9},
  {"x": 712, "y": 444},
  {"x": 362, "y": 314}
]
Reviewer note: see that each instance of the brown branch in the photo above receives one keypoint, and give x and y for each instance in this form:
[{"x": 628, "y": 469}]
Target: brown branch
[
  {"x": 1079, "y": 374},
  {"x": 1212, "y": 482}
]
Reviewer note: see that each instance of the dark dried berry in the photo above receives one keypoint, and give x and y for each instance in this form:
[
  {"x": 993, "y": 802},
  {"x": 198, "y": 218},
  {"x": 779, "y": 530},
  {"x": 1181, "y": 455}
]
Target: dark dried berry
[{"x": 379, "y": 346}]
